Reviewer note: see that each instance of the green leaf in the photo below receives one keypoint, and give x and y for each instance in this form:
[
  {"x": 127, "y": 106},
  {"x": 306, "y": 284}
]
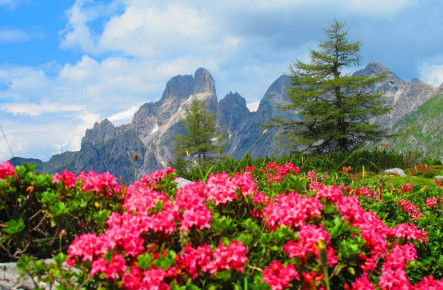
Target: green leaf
[
  {"x": 144, "y": 261},
  {"x": 101, "y": 216},
  {"x": 49, "y": 197},
  {"x": 60, "y": 258},
  {"x": 58, "y": 209},
  {"x": 14, "y": 226},
  {"x": 166, "y": 262},
  {"x": 23, "y": 263},
  {"x": 223, "y": 275}
]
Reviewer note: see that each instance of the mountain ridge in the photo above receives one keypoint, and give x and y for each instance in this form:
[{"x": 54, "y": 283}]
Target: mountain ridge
[{"x": 155, "y": 123}]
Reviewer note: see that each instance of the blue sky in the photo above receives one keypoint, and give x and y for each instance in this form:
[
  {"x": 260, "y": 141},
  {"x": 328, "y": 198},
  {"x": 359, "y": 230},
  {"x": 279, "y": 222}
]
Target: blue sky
[{"x": 67, "y": 64}]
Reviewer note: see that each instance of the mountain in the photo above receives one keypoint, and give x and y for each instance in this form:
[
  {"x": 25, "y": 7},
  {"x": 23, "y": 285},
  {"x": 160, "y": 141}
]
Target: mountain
[
  {"x": 404, "y": 96},
  {"x": 109, "y": 148},
  {"x": 427, "y": 134}
]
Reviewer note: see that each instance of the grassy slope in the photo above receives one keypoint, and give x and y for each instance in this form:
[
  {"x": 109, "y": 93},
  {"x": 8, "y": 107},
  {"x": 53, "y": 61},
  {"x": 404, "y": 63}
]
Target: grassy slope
[{"x": 427, "y": 133}]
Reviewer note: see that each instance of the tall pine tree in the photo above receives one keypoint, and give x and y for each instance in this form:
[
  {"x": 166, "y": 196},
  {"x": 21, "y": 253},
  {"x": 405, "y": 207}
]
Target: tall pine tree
[
  {"x": 202, "y": 139},
  {"x": 335, "y": 107}
]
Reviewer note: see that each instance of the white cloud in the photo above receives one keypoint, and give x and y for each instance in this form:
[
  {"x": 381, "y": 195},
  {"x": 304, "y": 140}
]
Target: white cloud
[
  {"x": 124, "y": 116},
  {"x": 253, "y": 106},
  {"x": 431, "y": 73},
  {"x": 148, "y": 29},
  {"x": 39, "y": 109},
  {"x": 18, "y": 35}
]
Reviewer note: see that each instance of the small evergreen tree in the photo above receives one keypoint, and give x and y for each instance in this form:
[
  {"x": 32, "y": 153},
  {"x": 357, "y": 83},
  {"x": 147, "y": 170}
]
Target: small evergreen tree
[
  {"x": 335, "y": 107},
  {"x": 202, "y": 139}
]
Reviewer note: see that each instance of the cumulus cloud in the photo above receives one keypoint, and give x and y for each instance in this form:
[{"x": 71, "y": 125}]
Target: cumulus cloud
[{"x": 431, "y": 73}]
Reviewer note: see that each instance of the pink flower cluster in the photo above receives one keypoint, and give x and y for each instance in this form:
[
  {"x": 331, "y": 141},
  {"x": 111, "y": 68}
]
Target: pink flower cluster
[
  {"x": 192, "y": 261},
  {"x": 407, "y": 187},
  {"x": 6, "y": 169},
  {"x": 67, "y": 177},
  {"x": 410, "y": 208},
  {"x": 278, "y": 276},
  {"x": 308, "y": 237},
  {"x": 276, "y": 172},
  {"x": 291, "y": 210},
  {"x": 408, "y": 232},
  {"x": 431, "y": 201},
  {"x": 104, "y": 183},
  {"x": 361, "y": 283},
  {"x": 222, "y": 188},
  {"x": 150, "y": 211},
  {"x": 152, "y": 180},
  {"x": 393, "y": 274}
]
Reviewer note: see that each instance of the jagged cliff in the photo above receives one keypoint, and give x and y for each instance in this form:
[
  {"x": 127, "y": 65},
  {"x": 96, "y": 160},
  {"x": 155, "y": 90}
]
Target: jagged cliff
[{"x": 109, "y": 148}]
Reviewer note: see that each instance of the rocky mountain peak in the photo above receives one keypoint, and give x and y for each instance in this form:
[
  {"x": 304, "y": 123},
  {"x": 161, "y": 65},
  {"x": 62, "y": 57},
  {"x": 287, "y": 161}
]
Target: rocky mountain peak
[
  {"x": 233, "y": 99},
  {"x": 182, "y": 86},
  {"x": 203, "y": 82},
  {"x": 276, "y": 94},
  {"x": 375, "y": 68},
  {"x": 101, "y": 132}
]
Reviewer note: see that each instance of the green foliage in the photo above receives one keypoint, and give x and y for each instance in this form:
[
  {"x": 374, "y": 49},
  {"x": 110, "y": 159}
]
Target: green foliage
[
  {"x": 201, "y": 139},
  {"x": 243, "y": 220},
  {"x": 335, "y": 107},
  {"x": 36, "y": 216},
  {"x": 374, "y": 161}
]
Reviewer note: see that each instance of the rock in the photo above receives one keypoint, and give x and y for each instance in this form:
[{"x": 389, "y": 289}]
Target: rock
[
  {"x": 10, "y": 278},
  {"x": 396, "y": 171},
  {"x": 181, "y": 182}
]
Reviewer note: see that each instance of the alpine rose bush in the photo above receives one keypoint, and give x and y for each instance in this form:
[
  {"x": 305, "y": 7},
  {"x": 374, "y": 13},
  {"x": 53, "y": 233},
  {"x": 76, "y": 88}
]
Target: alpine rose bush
[{"x": 261, "y": 228}]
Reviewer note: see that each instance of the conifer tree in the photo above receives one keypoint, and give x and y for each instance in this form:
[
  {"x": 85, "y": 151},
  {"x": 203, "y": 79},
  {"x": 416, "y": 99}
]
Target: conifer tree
[
  {"x": 202, "y": 139},
  {"x": 335, "y": 107}
]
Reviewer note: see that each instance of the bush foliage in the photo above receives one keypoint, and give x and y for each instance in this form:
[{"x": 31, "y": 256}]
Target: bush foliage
[{"x": 263, "y": 225}]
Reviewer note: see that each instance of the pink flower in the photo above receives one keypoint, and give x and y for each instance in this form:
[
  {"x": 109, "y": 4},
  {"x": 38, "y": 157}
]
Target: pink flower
[
  {"x": 87, "y": 247},
  {"x": 190, "y": 209},
  {"x": 332, "y": 193},
  {"x": 104, "y": 183},
  {"x": 6, "y": 169},
  {"x": 221, "y": 188},
  {"x": 393, "y": 274},
  {"x": 308, "y": 237},
  {"x": 312, "y": 175},
  {"x": 291, "y": 210},
  {"x": 410, "y": 208},
  {"x": 407, "y": 187},
  {"x": 152, "y": 180},
  {"x": 315, "y": 185},
  {"x": 431, "y": 201},
  {"x": 246, "y": 183},
  {"x": 68, "y": 178},
  {"x": 276, "y": 172},
  {"x": 408, "y": 232},
  {"x": 428, "y": 283},
  {"x": 259, "y": 197},
  {"x": 361, "y": 283},
  {"x": 232, "y": 257},
  {"x": 194, "y": 259},
  {"x": 278, "y": 276}
]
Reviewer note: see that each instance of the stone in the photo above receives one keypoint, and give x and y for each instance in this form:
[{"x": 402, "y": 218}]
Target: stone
[{"x": 396, "y": 171}]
